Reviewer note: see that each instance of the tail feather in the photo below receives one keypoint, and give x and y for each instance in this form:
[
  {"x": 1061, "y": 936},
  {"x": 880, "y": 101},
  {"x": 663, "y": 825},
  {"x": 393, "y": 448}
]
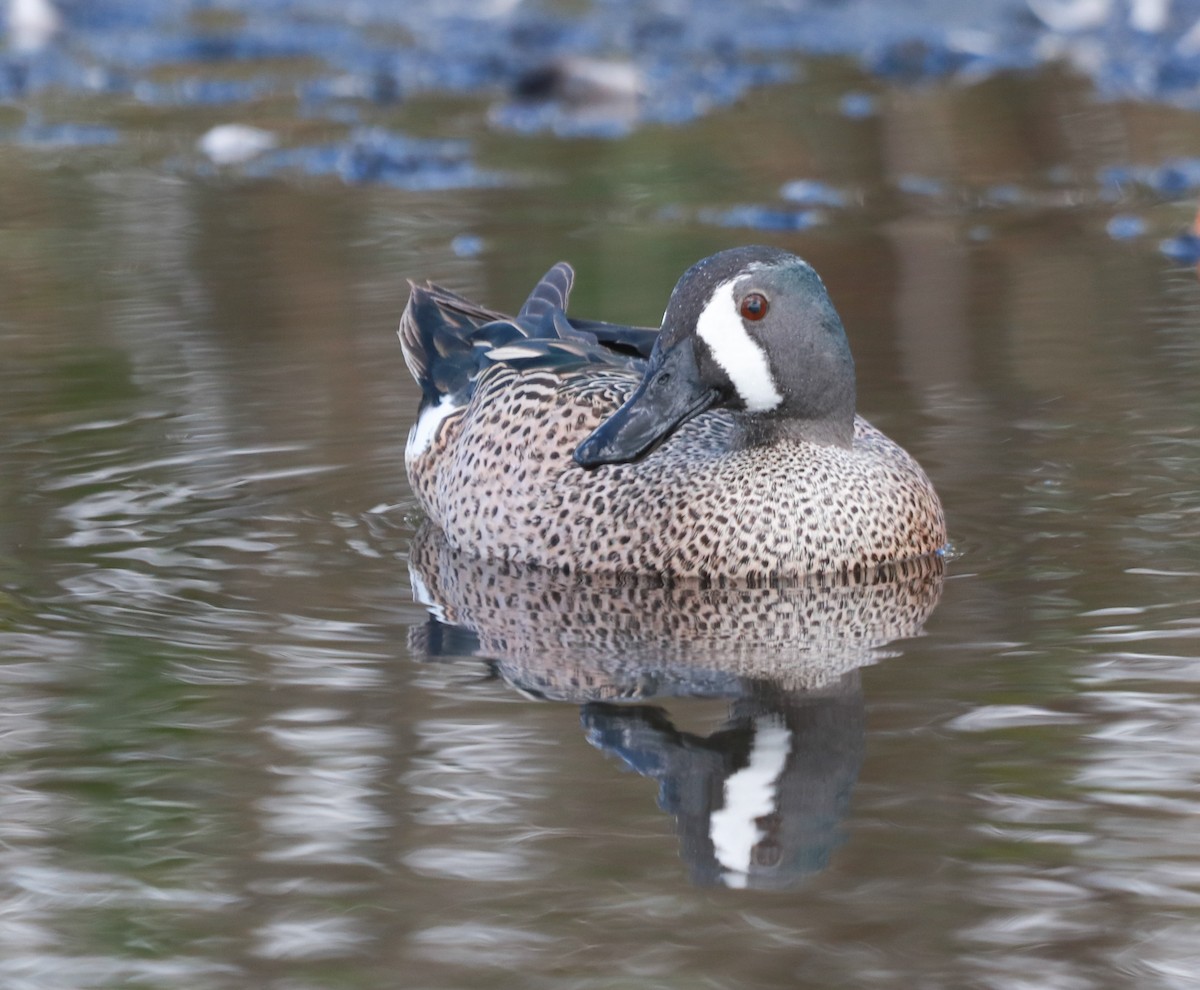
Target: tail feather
[
  {"x": 550, "y": 294},
  {"x": 449, "y": 341},
  {"x": 435, "y": 335}
]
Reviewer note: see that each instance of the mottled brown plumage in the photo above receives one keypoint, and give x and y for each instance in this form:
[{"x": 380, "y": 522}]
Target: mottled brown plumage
[{"x": 725, "y": 494}]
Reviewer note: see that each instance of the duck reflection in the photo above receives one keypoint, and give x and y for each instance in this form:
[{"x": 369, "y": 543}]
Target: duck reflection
[{"x": 757, "y": 803}]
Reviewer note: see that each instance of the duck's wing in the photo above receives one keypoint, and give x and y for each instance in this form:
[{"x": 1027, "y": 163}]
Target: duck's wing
[
  {"x": 635, "y": 341},
  {"x": 449, "y": 341}
]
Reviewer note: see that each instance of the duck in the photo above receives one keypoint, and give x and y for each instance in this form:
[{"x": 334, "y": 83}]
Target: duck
[{"x": 723, "y": 445}]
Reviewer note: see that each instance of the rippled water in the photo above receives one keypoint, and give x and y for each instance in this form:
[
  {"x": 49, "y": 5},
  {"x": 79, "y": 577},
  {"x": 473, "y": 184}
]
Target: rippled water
[{"x": 260, "y": 731}]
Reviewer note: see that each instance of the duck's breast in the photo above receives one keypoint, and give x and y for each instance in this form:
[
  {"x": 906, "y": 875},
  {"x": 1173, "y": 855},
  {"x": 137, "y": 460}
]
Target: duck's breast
[{"x": 500, "y": 481}]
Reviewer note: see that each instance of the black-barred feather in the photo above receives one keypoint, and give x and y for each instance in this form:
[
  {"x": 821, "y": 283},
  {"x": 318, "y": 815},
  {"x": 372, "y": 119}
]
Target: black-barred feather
[
  {"x": 550, "y": 294},
  {"x": 449, "y": 342}
]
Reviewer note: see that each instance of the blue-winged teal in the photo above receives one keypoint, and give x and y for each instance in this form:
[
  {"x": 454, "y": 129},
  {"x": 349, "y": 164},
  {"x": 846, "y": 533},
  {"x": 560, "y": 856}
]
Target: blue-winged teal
[{"x": 724, "y": 445}]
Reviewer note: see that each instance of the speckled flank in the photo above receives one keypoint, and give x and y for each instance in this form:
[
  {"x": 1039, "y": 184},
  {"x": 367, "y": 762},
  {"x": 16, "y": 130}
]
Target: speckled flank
[{"x": 499, "y": 480}]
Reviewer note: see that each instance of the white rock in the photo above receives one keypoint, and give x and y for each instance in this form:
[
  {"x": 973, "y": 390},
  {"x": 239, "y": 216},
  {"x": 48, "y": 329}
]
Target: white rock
[
  {"x": 32, "y": 25},
  {"x": 1070, "y": 16},
  {"x": 232, "y": 144},
  {"x": 1149, "y": 16}
]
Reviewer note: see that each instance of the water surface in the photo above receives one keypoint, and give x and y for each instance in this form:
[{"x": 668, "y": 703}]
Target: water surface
[{"x": 238, "y": 751}]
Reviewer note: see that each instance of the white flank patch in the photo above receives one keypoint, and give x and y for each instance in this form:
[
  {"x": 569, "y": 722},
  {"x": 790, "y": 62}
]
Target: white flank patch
[
  {"x": 721, "y": 328},
  {"x": 749, "y": 794},
  {"x": 422, "y": 433}
]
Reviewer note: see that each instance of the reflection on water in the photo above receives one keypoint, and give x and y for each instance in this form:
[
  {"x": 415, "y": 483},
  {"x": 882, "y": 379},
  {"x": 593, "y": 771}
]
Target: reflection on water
[
  {"x": 759, "y": 801},
  {"x": 595, "y": 640},
  {"x": 220, "y": 768}
]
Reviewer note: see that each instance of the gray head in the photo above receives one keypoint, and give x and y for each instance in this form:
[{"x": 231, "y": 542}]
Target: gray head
[{"x": 751, "y": 330}]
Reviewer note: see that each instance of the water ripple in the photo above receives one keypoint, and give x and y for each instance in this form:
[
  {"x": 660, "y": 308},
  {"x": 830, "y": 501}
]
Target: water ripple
[
  {"x": 486, "y": 865},
  {"x": 994, "y": 717},
  {"x": 481, "y": 945},
  {"x": 309, "y": 938}
]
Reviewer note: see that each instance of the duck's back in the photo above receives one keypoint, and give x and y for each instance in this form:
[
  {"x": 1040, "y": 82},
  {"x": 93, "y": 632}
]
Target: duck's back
[{"x": 490, "y": 459}]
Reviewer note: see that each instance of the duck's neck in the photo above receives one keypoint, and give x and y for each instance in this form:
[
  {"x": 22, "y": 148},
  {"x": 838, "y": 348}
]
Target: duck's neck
[{"x": 760, "y": 431}]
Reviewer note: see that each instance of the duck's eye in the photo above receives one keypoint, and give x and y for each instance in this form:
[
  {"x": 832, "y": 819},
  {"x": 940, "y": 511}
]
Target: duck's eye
[{"x": 754, "y": 306}]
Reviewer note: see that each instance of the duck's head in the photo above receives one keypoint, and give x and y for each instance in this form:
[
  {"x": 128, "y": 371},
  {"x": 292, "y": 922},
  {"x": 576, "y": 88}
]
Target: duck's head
[{"x": 751, "y": 330}]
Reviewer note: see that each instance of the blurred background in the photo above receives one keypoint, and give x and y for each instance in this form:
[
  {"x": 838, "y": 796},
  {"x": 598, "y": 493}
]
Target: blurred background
[{"x": 236, "y": 751}]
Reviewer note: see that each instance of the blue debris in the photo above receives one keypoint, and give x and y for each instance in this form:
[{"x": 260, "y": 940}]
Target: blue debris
[
  {"x": 1117, "y": 177},
  {"x": 669, "y": 91},
  {"x": 857, "y": 106},
  {"x": 378, "y": 86},
  {"x": 916, "y": 60},
  {"x": 198, "y": 91},
  {"x": 608, "y": 121},
  {"x": 810, "y": 192},
  {"x": 1184, "y": 249},
  {"x": 762, "y": 218},
  {"x": 1005, "y": 194},
  {"x": 1174, "y": 179},
  {"x": 1125, "y": 226},
  {"x": 920, "y": 185},
  {"x": 693, "y": 56},
  {"x": 171, "y": 42},
  {"x": 467, "y": 246},
  {"x": 24, "y": 76},
  {"x": 1177, "y": 178},
  {"x": 379, "y": 157},
  {"x": 66, "y": 135}
]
